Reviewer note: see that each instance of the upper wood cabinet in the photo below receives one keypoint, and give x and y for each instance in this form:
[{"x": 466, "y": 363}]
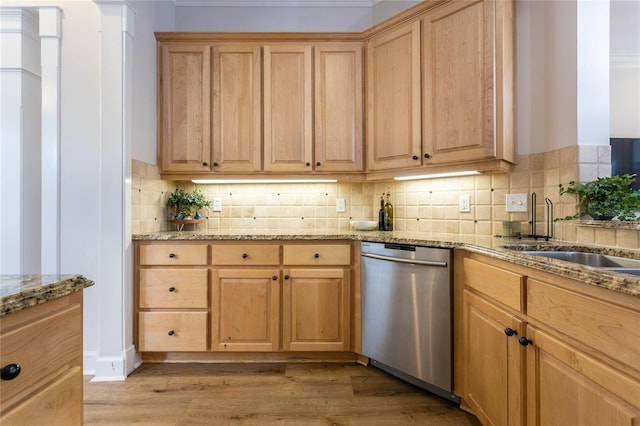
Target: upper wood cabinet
[
  {"x": 288, "y": 108},
  {"x": 338, "y": 120},
  {"x": 185, "y": 108},
  {"x": 468, "y": 77},
  {"x": 393, "y": 99},
  {"x": 237, "y": 109}
]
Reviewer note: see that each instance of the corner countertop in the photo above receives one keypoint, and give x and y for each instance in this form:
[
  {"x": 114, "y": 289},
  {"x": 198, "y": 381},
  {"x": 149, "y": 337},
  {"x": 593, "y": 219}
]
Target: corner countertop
[
  {"x": 507, "y": 249},
  {"x": 18, "y": 292}
]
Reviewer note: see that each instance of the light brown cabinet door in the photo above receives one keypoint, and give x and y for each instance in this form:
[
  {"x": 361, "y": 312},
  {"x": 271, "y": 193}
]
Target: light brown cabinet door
[
  {"x": 288, "y": 108},
  {"x": 566, "y": 386},
  {"x": 245, "y": 310},
  {"x": 185, "y": 82},
  {"x": 338, "y": 107},
  {"x": 494, "y": 362},
  {"x": 237, "y": 119},
  {"x": 316, "y": 310},
  {"x": 466, "y": 83},
  {"x": 393, "y": 99}
]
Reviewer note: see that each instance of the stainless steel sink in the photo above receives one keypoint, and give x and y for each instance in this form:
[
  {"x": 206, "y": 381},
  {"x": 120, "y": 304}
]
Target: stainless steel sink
[{"x": 597, "y": 260}]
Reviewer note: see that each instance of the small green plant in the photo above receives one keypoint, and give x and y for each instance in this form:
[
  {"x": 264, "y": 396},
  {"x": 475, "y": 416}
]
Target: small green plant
[
  {"x": 184, "y": 203},
  {"x": 605, "y": 198}
]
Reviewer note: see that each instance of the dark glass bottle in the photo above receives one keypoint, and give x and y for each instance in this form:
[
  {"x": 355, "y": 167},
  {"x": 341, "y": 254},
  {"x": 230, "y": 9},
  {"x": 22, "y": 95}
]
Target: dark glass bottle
[
  {"x": 382, "y": 223},
  {"x": 388, "y": 213}
]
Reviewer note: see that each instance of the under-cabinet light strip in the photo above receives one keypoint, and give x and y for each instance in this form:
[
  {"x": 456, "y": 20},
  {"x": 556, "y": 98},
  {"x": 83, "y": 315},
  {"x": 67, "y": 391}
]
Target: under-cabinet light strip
[
  {"x": 233, "y": 181},
  {"x": 438, "y": 175}
]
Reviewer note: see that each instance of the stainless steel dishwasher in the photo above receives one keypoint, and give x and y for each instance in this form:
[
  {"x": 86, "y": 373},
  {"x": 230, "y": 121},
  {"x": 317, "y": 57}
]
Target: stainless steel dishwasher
[{"x": 407, "y": 313}]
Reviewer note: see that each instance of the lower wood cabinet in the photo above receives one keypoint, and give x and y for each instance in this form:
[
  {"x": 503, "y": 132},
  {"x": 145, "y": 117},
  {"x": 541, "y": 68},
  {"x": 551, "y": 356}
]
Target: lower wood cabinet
[
  {"x": 239, "y": 296},
  {"x": 555, "y": 352},
  {"x": 315, "y": 312}
]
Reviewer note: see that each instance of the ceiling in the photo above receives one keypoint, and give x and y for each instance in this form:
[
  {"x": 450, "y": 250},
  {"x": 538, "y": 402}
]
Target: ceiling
[{"x": 278, "y": 3}]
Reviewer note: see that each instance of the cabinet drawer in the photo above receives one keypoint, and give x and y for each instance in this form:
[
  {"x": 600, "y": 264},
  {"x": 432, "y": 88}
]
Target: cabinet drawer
[
  {"x": 173, "y": 254},
  {"x": 42, "y": 348},
  {"x": 325, "y": 254},
  {"x": 173, "y": 288},
  {"x": 246, "y": 254},
  {"x": 504, "y": 286},
  {"x": 608, "y": 328},
  {"x": 172, "y": 331}
]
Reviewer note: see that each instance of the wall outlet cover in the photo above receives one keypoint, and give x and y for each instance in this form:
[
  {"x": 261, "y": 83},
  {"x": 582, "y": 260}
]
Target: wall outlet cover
[
  {"x": 517, "y": 202},
  {"x": 341, "y": 207},
  {"x": 464, "y": 203},
  {"x": 217, "y": 204}
]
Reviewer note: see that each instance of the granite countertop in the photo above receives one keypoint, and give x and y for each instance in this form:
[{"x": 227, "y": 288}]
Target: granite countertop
[
  {"x": 508, "y": 249},
  {"x": 18, "y": 292}
]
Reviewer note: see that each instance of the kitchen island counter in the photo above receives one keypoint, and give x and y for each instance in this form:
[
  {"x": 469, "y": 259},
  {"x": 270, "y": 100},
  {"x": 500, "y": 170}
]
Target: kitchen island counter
[
  {"x": 507, "y": 249},
  {"x": 18, "y": 292}
]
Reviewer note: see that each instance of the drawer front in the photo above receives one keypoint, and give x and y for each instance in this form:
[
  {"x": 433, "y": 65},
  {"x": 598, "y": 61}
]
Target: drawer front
[
  {"x": 172, "y": 331},
  {"x": 315, "y": 255},
  {"x": 42, "y": 348},
  {"x": 173, "y": 288},
  {"x": 608, "y": 328},
  {"x": 499, "y": 284},
  {"x": 173, "y": 254},
  {"x": 246, "y": 254}
]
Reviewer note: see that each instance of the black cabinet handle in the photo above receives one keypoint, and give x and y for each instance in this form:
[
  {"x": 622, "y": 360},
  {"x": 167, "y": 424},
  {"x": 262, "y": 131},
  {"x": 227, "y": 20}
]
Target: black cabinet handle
[
  {"x": 274, "y": 278},
  {"x": 204, "y": 163},
  {"x": 286, "y": 277},
  {"x": 524, "y": 341},
  {"x": 307, "y": 164},
  {"x": 10, "y": 371},
  {"x": 245, "y": 255},
  {"x": 215, "y": 164},
  {"x": 318, "y": 164},
  {"x": 171, "y": 333},
  {"x": 427, "y": 156},
  {"x": 415, "y": 157},
  {"x": 510, "y": 332},
  {"x": 317, "y": 255},
  {"x": 171, "y": 255},
  {"x": 172, "y": 289}
]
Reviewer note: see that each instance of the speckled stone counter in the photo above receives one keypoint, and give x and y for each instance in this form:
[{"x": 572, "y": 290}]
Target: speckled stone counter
[
  {"x": 508, "y": 249},
  {"x": 18, "y": 292}
]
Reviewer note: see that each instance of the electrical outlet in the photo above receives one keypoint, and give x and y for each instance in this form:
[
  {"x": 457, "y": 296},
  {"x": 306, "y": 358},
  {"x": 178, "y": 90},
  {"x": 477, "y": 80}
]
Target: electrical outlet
[
  {"x": 517, "y": 202},
  {"x": 340, "y": 205},
  {"x": 217, "y": 204},
  {"x": 464, "y": 203}
]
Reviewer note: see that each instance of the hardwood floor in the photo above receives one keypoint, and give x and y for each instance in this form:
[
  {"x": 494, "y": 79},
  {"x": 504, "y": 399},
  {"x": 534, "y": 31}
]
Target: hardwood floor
[{"x": 264, "y": 394}]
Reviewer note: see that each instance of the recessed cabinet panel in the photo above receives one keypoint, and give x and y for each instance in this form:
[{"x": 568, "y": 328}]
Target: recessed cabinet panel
[
  {"x": 173, "y": 288},
  {"x": 186, "y": 108},
  {"x": 316, "y": 254},
  {"x": 237, "y": 119},
  {"x": 246, "y": 254},
  {"x": 173, "y": 254},
  {"x": 172, "y": 331}
]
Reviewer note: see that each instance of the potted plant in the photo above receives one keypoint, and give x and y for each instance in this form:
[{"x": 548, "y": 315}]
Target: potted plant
[
  {"x": 185, "y": 205},
  {"x": 605, "y": 198}
]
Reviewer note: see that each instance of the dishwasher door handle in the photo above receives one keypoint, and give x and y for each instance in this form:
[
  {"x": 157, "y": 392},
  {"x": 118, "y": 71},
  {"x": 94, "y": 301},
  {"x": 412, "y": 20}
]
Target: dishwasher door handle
[{"x": 401, "y": 260}]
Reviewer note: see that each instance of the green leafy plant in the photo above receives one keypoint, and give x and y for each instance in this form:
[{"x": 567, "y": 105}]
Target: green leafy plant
[
  {"x": 185, "y": 203},
  {"x": 605, "y": 198}
]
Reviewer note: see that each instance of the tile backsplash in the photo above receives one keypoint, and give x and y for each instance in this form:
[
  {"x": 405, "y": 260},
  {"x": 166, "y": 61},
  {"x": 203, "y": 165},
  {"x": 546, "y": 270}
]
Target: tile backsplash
[{"x": 421, "y": 205}]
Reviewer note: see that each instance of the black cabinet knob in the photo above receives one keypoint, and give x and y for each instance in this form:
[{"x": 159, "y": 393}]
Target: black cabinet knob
[
  {"x": 510, "y": 332},
  {"x": 318, "y": 164},
  {"x": 171, "y": 255},
  {"x": 171, "y": 333},
  {"x": 524, "y": 341},
  {"x": 172, "y": 289},
  {"x": 307, "y": 164},
  {"x": 245, "y": 255},
  {"x": 10, "y": 371},
  {"x": 204, "y": 163},
  {"x": 317, "y": 255},
  {"x": 274, "y": 278},
  {"x": 427, "y": 155},
  {"x": 215, "y": 164},
  {"x": 415, "y": 157},
  {"x": 286, "y": 277}
]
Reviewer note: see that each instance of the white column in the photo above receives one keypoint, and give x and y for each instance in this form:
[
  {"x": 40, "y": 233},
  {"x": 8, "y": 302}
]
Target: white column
[{"x": 50, "y": 37}]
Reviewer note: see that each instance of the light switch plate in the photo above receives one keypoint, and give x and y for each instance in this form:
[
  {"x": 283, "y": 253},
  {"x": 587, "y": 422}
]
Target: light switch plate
[
  {"x": 464, "y": 203},
  {"x": 340, "y": 205},
  {"x": 217, "y": 204},
  {"x": 517, "y": 202}
]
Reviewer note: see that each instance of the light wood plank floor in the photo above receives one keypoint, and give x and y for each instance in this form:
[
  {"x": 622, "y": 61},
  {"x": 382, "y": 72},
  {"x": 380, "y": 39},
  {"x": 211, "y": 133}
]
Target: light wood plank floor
[{"x": 264, "y": 394}]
